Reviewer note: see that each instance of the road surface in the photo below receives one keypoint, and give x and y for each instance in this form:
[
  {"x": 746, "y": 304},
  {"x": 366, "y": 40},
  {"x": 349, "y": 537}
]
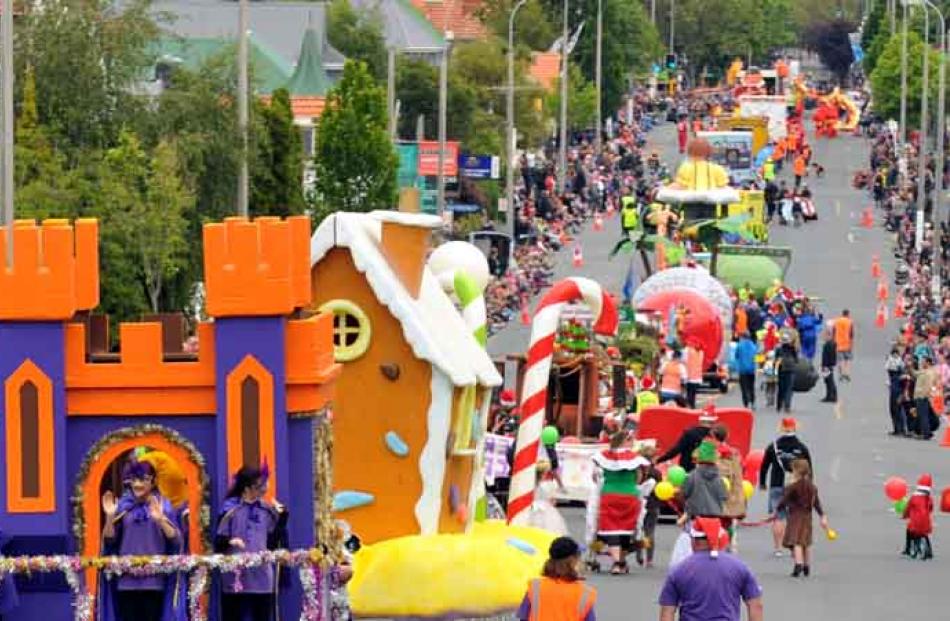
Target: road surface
[{"x": 860, "y": 576}]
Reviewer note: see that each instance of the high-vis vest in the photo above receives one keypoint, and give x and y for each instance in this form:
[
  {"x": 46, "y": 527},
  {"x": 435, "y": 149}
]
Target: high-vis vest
[
  {"x": 768, "y": 170},
  {"x": 560, "y": 600},
  {"x": 843, "y": 334},
  {"x": 645, "y": 399},
  {"x": 628, "y": 213}
]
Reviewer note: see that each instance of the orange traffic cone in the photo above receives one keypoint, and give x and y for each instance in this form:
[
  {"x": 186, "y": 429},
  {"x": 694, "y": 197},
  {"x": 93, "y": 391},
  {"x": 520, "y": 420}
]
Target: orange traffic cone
[
  {"x": 578, "y": 256},
  {"x": 946, "y": 441},
  {"x": 867, "y": 218},
  {"x": 598, "y": 223},
  {"x": 880, "y": 319},
  {"x": 875, "y": 267},
  {"x": 525, "y": 315},
  {"x": 899, "y": 306},
  {"x": 882, "y": 293}
]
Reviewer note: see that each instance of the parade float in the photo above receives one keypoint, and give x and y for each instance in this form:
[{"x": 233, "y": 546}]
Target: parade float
[
  {"x": 836, "y": 112},
  {"x": 256, "y": 391}
]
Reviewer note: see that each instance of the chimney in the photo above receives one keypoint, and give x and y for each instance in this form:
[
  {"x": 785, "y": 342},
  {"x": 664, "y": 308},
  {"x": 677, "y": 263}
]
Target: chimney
[{"x": 404, "y": 242}]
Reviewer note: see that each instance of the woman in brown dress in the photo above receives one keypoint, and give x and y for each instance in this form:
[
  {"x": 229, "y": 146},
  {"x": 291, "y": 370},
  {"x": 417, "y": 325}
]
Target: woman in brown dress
[{"x": 799, "y": 500}]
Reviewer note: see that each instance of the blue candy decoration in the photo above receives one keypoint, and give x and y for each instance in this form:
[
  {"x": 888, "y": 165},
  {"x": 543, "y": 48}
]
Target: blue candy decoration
[
  {"x": 523, "y": 546},
  {"x": 347, "y": 499},
  {"x": 396, "y": 444}
]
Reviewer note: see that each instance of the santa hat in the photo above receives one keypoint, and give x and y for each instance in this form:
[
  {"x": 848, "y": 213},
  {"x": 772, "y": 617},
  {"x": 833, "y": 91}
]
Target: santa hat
[
  {"x": 789, "y": 424},
  {"x": 507, "y": 398},
  {"x": 646, "y": 383},
  {"x": 709, "y": 414},
  {"x": 924, "y": 483},
  {"x": 710, "y": 528}
]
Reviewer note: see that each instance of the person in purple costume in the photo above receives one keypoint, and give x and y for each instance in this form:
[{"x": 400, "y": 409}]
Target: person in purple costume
[
  {"x": 247, "y": 523},
  {"x": 139, "y": 523}
]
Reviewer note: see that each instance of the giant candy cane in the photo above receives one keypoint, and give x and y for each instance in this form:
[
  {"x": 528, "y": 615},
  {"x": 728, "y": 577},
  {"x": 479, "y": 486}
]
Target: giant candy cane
[{"x": 535, "y": 389}]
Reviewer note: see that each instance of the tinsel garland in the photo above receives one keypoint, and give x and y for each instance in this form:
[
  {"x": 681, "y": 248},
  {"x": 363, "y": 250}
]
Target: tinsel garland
[{"x": 307, "y": 561}]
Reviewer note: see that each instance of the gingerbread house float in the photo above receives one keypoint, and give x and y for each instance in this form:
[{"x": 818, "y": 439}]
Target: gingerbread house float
[
  {"x": 254, "y": 392},
  {"x": 413, "y": 399}
]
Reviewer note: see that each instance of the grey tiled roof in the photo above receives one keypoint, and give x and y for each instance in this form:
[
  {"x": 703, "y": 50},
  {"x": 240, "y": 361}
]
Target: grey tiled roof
[
  {"x": 279, "y": 25},
  {"x": 404, "y": 26}
]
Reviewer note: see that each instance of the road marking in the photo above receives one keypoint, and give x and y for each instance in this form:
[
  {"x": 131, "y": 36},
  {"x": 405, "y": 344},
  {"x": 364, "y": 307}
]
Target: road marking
[
  {"x": 850, "y": 237},
  {"x": 839, "y": 410},
  {"x": 835, "y": 469},
  {"x": 837, "y": 208}
]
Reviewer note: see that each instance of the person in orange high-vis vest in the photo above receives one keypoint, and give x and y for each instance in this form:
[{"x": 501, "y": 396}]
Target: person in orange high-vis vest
[
  {"x": 844, "y": 343},
  {"x": 799, "y": 168},
  {"x": 560, "y": 593},
  {"x": 694, "y": 372}
]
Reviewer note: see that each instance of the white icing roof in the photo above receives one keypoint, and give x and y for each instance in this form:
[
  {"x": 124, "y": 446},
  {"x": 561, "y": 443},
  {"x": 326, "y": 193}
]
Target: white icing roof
[{"x": 431, "y": 325}]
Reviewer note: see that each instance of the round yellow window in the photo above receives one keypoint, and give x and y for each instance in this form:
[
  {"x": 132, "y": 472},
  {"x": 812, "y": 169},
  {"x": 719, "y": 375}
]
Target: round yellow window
[{"x": 351, "y": 329}]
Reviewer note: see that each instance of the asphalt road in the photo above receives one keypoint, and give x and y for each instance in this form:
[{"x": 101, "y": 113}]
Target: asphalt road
[{"x": 861, "y": 575}]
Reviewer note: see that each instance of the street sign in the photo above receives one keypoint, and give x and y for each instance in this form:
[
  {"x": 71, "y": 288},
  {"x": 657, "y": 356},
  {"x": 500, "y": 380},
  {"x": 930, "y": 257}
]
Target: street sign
[
  {"x": 408, "y": 164},
  {"x": 428, "y": 163},
  {"x": 480, "y": 166}
]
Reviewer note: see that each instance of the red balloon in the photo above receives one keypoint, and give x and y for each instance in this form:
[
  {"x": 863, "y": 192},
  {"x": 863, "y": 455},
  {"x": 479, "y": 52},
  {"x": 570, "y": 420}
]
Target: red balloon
[
  {"x": 895, "y": 488},
  {"x": 751, "y": 465},
  {"x": 702, "y": 323}
]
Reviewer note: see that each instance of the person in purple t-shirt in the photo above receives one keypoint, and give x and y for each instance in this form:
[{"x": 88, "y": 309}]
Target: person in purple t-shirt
[
  {"x": 140, "y": 523},
  {"x": 247, "y": 523},
  {"x": 708, "y": 586}
]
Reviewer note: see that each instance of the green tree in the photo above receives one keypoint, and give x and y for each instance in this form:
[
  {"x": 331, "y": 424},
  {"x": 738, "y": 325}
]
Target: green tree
[
  {"x": 417, "y": 89},
  {"x": 581, "y": 100},
  {"x": 533, "y": 27},
  {"x": 886, "y": 78},
  {"x": 358, "y": 34},
  {"x": 87, "y": 58},
  {"x": 354, "y": 160},
  {"x": 276, "y": 183}
]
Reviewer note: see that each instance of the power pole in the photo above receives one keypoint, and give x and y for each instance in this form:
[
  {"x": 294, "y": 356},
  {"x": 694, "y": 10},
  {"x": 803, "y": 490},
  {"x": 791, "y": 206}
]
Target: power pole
[
  {"x": 7, "y": 32},
  {"x": 922, "y": 151},
  {"x": 562, "y": 147},
  {"x": 598, "y": 74},
  {"x": 903, "y": 128},
  {"x": 391, "y": 93},
  {"x": 242, "y": 108},
  {"x": 510, "y": 136},
  {"x": 443, "y": 102}
]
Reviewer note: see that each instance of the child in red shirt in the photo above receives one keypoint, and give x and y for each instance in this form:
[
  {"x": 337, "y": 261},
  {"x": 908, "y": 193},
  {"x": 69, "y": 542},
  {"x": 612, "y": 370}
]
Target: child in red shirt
[{"x": 918, "y": 514}]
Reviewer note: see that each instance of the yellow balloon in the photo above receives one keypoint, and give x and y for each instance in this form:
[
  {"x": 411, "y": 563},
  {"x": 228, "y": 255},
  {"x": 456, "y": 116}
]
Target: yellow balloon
[
  {"x": 832, "y": 534},
  {"x": 728, "y": 484},
  {"x": 748, "y": 489},
  {"x": 664, "y": 490}
]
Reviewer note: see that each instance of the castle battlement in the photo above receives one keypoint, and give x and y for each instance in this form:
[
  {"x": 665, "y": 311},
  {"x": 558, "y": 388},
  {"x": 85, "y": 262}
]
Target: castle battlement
[
  {"x": 257, "y": 268},
  {"x": 55, "y": 270}
]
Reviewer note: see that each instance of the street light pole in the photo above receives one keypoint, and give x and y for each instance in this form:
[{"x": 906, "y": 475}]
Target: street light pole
[
  {"x": 510, "y": 140},
  {"x": 562, "y": 150},
  {"x": 242, "y": 108},
  {"x": 443, "y": 103},
  {"x": 7, "y": 32},
  {"x": 941, "y": 123},
  {"x": 672, "y": 25},
  {"x": 922, "y": 149},
  {"x": 903, "y": 127},
  {"x": 598, "y": 74}
]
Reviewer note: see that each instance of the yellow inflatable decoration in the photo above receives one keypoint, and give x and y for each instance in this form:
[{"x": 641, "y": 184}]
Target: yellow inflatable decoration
[
  {"x": 478, "y": 574},
  {"x": 853, "y": 115},
  {"x": 169, "y": 477}
]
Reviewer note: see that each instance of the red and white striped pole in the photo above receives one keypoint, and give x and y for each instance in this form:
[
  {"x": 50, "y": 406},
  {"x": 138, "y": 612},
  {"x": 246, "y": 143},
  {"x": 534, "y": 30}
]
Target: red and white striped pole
[{"x": 534, "y": 392}]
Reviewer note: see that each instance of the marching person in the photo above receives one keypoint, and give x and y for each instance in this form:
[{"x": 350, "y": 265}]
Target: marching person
[
  {"x": 799, "y": 500},
  {"x": 746, "y": 352},
  {"x": 776, "y": 464},
  {"x": 844, "y": 341},
  {"x": 919, "y": 516},
  {"x": 560, "y": 593},
  {"x": 829, "y": 360},
  {"x": 710, "y": 585}
]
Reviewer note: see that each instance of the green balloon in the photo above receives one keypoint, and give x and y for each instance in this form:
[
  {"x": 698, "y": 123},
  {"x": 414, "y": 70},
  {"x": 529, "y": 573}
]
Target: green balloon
[
  {"x": 899, "y": 506},
  {"x": 676, "y": 475},
  {"x": 550, "y": 435}
]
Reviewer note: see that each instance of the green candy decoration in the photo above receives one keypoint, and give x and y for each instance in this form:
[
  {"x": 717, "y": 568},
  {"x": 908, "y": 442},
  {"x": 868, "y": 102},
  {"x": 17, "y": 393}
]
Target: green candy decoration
[
  {"x": 899, "y": 506},
  {"x": 676, "y": 475},
  {"x": 550, "y": 435}
]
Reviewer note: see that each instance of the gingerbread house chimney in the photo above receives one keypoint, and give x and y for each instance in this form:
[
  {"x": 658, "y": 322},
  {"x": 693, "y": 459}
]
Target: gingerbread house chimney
[{"x": 404, "y": 240}]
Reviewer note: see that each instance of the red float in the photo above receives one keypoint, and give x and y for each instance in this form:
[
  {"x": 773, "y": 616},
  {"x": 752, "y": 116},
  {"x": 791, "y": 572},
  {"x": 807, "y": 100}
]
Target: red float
[
  {"x": 752, "y": 464},
  {"x": 701, "y": 323}
]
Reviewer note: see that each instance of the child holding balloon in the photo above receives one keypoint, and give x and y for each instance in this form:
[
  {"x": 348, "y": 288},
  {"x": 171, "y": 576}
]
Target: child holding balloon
[
  {"x": 918, "y": 511},
  {"x": 800, "y": 499}
]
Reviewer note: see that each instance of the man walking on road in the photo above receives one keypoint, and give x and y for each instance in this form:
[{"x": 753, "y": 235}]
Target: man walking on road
[
  {"x": 844, "y": 342},
  {"x": 777, "y": 461},
  {"x": 710, "y": 585},
  {"x": 746, "y": 351},
  {"x": 829, "y": 360}
]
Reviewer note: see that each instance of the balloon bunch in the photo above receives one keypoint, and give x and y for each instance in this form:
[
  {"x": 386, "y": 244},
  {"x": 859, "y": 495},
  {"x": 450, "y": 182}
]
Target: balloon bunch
[
  {"x": 666, "y": 489},
  {"x": 895, "y": 488}
]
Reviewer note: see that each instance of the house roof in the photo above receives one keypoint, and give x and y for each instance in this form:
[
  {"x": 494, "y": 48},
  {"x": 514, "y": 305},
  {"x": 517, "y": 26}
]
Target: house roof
[
  {"x": 545, "y": 68},
  {"x": 404, "y": 26},
  {"x": 431, "y": 324},
  {"x": 270, "y": 70},
  {"x": 304, "y": 106},
  {"x": 455, "y": 16},
  {"x": 310, "y": 77},
  {"x": 278, "y": 25}
]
